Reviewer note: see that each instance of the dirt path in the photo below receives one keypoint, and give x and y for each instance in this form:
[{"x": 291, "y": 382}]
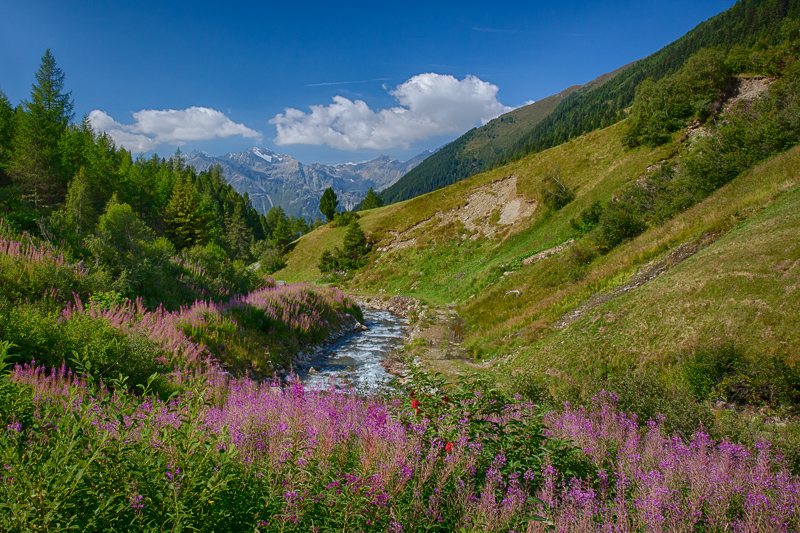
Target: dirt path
[{"x": 646, "y": 274}]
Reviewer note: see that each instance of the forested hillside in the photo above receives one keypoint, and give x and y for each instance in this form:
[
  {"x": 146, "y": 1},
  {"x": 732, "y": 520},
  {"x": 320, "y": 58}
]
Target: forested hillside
[
  {"x": 66, "y": 185},
  {"x": 748, "y": 24}
]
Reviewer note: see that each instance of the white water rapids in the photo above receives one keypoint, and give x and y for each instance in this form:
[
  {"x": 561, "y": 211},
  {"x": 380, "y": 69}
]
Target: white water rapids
[{"x": 354, "y": 361}]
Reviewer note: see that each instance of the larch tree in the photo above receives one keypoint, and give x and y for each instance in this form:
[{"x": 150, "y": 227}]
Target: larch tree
[{"x": 38, "y": 129}]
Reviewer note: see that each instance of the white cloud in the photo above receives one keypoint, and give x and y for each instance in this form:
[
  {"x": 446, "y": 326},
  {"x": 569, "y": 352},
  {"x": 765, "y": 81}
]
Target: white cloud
[
  {"x": 430, "y": 104},
  {"x": 171, "y": 126}
]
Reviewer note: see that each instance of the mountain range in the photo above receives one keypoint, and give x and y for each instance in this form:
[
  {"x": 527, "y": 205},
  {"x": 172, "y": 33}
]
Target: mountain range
[{"x": 271, "y": 179}]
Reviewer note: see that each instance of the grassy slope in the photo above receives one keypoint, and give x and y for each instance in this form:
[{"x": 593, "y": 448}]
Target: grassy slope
[
  {"x": 580, "y": 162},
  {"x": 478, "y": 148},
  {"x": 652, "y": 323},
  {"x": 744, "y": 287}
]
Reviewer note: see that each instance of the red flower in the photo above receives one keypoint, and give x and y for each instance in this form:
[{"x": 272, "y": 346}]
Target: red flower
[
  {"x": 449, "y": 447},
  {"x": 415, "y": 405}
]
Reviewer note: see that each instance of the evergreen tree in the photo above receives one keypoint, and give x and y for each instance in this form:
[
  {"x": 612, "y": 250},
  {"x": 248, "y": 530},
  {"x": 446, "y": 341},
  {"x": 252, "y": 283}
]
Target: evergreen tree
[
  {"x": 328, "y": 203},
  {"x": 238, "y": 236},
  {"x": 187, "y": 222},
  {"x": 274, "y": 216},
  {"x": 76, "y": 147},
  {"x": 355, "y": 244},
  {"x": 35, "y": 162},
  {"x": 6, "y": 134},
  {"x": 283, "y": 234},
  {"x": 372, "y": 200}
]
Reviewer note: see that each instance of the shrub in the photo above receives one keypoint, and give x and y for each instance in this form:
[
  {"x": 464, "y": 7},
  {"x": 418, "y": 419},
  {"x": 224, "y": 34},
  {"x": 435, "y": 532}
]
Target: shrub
[
  {"x": 617, "y": 224},
  {"x": 271, "y": 260},
  {"x": 553, "y": 192},
  {"x": 645, "y": 395},
  {"x": 346, "y": 218},
  {"x": 588, "y": 219}
]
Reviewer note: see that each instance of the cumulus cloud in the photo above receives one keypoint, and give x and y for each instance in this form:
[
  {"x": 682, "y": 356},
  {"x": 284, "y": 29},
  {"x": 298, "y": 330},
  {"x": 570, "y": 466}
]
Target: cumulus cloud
[
  {"x": 430, "y": 104},
  {"x": 153, "y": 127}
]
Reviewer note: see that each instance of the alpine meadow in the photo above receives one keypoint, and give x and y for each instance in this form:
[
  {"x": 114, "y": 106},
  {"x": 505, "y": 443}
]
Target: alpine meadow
[{"x": 600, "y": 292}]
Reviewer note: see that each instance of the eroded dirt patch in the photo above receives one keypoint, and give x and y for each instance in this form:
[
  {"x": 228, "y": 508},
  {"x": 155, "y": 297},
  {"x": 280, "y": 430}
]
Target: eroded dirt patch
[{"x": 487, "y": 207}]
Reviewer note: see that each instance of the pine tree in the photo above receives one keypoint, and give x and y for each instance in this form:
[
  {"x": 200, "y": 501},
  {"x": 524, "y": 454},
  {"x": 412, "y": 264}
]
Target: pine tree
[
  {"x": 238, "y": 236},
  {"x": 187, "y": 222},
  {"x": 6, "y": 134},
  {"x": 372, "y": 200},
  {"x": 35, "y": 162},
  {"x": 355, "y": 244},
  {"x": 328, "y": 203},
  {"x": 283, "y": 234}
]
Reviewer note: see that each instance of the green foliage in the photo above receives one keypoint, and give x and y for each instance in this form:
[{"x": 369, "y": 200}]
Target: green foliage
[
  {"x": 238, "y": 236},
  {"x": 271, "y": 260},
  {"x": 553, "y": 192},
  {"x": 344, "y": 219},
  {"x": 42, "y": 335},
  {"x": 78, "y": 212},
  {"x": 186, "y": 217},
  {"x": 748, "y": 135},
  {"x": 16, "y": 400},
  {"x": 588, "y": 219},
  {"x": 38, "y": 129},
  {"x": 353, "y": 255},
  {"x": 722, "y": 371},
  {"x": 6, "y": 135},
  {"x": 283, "y": 234},
  {"x": 744, "y": 24},
  {"x": 521, "y": 441},
  {"x": 371, "y": 201},
  {"x": 328, "y": 203},
  {"x": 617, "y": 224},
  {"x": 662, "y": 107},
  {"x": 644, "y": 394},
  {"x": 121, "y": 238}
]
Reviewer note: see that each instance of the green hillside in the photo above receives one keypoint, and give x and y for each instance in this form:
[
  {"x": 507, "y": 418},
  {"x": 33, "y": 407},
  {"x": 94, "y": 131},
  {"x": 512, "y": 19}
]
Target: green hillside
[
  {"x": 664, "y": 270},
  {"x": 474, "y": 151},
  {"x": 748, "y": 24}
]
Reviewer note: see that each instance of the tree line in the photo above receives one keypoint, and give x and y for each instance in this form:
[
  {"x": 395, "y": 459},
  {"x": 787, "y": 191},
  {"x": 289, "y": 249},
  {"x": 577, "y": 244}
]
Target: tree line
[{"x": 71, "y": 185}]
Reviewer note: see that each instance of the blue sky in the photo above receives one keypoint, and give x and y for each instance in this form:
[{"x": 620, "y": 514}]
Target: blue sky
[{"x": 385, "y": 78}]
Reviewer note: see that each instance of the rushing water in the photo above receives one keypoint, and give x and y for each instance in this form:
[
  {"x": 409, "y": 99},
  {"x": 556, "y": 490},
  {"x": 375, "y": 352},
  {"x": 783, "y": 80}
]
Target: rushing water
[{"x": 355, "y": 360}]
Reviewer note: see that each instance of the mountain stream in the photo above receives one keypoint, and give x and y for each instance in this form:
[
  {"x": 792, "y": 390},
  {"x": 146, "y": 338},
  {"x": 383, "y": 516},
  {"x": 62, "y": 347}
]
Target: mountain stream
[{"x": 354, "y": 361}]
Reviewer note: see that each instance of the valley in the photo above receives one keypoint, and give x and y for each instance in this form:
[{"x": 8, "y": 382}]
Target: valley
[{"x": 581, "y": 315}]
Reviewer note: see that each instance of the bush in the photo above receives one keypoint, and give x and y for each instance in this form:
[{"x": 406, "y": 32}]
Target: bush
[
  {"x": 588, "y": 219},
  {"x": 346, "y": 218},
  {"x": 722, "y": 371},
  {"x": 645, "y": 395},
  {"x": 553, "y": 192},
  {"x": 617, "y": 224},
  {"x": 271, "y": 260}
]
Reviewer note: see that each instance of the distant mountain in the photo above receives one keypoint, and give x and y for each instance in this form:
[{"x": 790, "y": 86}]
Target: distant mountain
[
  {"x": 272, "y": 179},
  {"x": 476, "y": 150}
]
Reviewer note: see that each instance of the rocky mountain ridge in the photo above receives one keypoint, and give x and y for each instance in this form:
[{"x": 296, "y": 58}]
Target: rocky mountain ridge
[{"x": 271, "y": 179}]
